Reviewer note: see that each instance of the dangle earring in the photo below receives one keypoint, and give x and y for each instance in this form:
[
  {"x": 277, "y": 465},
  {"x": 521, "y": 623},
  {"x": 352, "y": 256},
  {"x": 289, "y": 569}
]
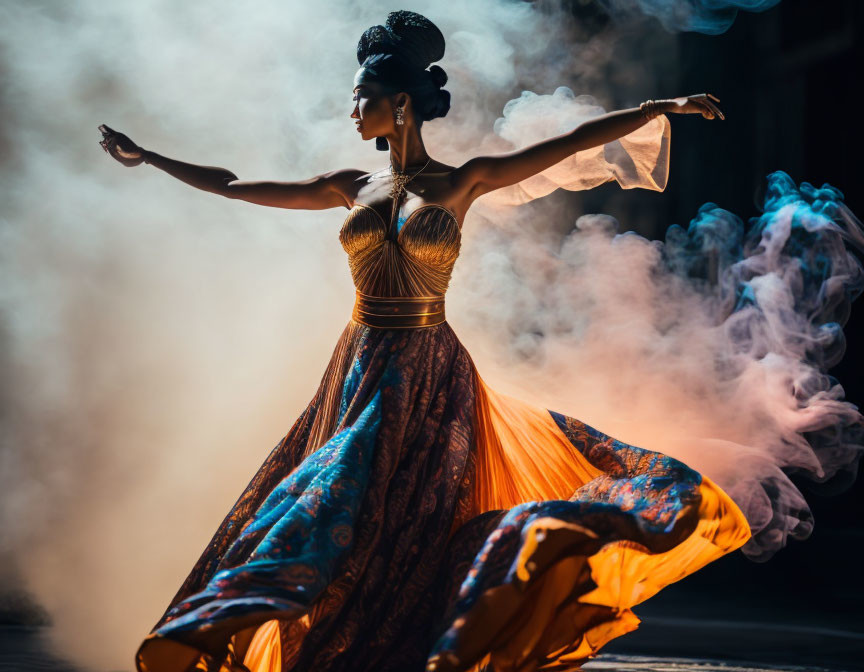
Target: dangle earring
[{"x": 399, "y": 118}]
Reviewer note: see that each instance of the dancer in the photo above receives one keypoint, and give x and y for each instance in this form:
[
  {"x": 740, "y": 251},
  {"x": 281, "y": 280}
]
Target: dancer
[{"x": 413, "y": 518}]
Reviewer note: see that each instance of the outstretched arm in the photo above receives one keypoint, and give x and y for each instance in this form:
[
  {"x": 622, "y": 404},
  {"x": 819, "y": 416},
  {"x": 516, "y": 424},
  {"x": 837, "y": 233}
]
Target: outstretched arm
[
  {"x": 328, "y": 190},
  {"x": 487, "y": 173}
]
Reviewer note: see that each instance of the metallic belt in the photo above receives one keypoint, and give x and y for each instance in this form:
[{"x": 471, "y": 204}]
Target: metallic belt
[{"x": 398, "y": 312}]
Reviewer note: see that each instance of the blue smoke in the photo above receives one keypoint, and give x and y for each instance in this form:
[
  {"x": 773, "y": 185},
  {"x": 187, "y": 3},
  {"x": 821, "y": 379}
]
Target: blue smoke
[
  {"x": 782, "y": 290},
  {"x": 711, "y": 17}
]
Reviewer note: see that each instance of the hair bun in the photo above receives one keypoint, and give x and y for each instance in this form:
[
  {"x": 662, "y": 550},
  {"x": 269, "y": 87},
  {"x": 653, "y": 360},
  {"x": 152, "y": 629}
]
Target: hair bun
[
  {"x": 408, "y": 35},
  {"x": 441, "y": 105},
  {"x": 438, "y": 76}
]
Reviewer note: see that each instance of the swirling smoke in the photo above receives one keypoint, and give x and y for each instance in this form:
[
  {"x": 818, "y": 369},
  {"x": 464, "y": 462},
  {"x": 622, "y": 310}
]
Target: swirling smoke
[{"x": 711, "y": 17}]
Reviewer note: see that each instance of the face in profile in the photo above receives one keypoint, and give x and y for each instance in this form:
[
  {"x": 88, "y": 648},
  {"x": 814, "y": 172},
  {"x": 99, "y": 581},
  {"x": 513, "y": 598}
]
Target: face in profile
[{"x": 373, "y": 111}]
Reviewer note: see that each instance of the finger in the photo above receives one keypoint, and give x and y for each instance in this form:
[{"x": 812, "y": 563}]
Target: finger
[
  {"x": 707, "y": 106},
  {"x": 715, "y": 109},
  {"x": 714, "y": 98},
  {"x": 105, "y": 128}
]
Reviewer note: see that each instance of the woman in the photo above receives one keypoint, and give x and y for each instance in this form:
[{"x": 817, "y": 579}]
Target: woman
[{"x": 413, "y": 518}]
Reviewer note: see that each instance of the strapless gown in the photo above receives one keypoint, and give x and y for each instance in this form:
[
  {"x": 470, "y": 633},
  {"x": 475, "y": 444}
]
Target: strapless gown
[{"x": 415, "y": 519}]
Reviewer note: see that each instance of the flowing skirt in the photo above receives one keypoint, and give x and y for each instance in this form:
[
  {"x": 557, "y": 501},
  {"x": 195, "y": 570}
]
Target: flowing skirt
[{"x": 415, "y": 519}]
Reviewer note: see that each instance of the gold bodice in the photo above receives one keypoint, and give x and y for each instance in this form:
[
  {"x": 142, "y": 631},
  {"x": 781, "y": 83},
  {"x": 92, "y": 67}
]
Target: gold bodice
[{"x": 414, "y": 258}]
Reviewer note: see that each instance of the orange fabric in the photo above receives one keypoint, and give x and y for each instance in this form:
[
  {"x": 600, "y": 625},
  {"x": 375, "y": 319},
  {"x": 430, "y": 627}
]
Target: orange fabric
[
  {"x": 166, "y": 654},
  {"x": 265, "y": 650},
  {"x": 625, "y": 575},
  {"x": 522, "y": 454}
]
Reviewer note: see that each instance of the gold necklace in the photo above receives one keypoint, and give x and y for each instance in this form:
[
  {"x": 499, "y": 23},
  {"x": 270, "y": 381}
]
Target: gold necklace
[{"x": 400, "y": 180}]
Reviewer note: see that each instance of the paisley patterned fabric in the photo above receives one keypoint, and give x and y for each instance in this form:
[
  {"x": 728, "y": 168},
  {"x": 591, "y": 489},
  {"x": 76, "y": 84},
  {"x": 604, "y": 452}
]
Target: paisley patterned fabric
[{"x": 413, "y": 518}]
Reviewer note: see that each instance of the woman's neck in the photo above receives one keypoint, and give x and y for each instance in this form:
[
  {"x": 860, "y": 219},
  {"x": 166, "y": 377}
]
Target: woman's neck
[{"x": 407, "y": 151}]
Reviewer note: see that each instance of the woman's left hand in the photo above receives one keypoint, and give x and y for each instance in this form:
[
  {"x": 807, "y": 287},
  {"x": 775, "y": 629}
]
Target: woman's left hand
[{"x": 702, "y": 103}]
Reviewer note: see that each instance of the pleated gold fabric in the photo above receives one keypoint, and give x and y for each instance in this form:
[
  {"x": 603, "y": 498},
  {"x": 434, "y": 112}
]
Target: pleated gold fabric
[{"x": 417, "y": 260}]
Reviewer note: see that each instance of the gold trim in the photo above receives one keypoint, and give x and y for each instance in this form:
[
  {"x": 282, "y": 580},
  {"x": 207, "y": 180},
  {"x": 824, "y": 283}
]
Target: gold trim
[
  {"x": 393, "y": 326},
  {"x": 369, "y": 312},
  {"x": 413, "y": 212},
  {"x": 398, "y": 312},
  {"x": 372, "y": 297}
]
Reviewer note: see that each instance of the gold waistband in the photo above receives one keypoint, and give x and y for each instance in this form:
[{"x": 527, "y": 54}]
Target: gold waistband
[{"x": 398, "y": 312}]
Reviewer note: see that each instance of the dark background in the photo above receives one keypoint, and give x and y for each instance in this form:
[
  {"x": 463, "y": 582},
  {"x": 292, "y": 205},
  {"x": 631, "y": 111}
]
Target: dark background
[{"x": 789, "y": 80}]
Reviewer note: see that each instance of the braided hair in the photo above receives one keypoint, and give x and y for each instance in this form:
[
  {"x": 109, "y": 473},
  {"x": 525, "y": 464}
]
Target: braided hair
[{"x": 396, "y": 56}]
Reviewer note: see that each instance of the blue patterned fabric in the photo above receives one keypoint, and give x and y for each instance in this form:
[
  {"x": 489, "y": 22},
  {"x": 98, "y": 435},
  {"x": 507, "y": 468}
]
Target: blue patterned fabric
[
  {"x": 289, "y": 550},
  {"x": 644, "y": 497}
]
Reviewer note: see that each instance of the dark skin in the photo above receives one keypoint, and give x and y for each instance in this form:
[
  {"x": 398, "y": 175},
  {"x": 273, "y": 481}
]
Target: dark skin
[{"x": 455, "y": 188}]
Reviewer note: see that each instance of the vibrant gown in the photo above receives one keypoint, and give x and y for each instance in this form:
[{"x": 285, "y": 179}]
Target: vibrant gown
[{"x": 415, "y": 519}]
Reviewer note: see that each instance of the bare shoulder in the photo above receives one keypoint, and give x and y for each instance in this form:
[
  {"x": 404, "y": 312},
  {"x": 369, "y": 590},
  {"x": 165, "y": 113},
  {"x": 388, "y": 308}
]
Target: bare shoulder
[
  {"x": 468, "y": 170},
  {"x": 347, "y": 182},
  {"x": 467, "y": 178}
]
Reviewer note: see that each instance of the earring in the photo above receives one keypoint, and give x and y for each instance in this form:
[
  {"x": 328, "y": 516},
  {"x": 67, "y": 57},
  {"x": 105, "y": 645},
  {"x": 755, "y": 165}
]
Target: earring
[{"x": 399, "y": 118}]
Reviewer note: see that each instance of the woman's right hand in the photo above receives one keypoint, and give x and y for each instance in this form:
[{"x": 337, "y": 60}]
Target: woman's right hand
[{"x": 121, "y": 147}]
